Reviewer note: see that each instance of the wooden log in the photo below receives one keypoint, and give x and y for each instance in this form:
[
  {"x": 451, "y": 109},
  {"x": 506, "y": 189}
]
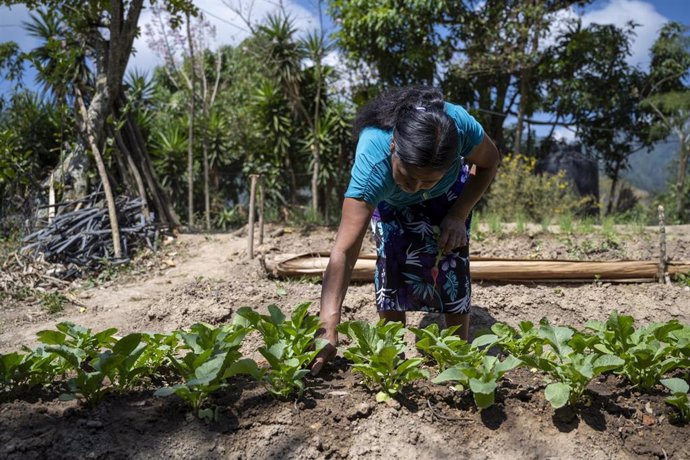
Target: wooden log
[{"x": 502, "y": 270}]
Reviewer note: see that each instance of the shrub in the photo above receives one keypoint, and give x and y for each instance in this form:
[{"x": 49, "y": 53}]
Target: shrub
[{"x": 518, "y": 190}]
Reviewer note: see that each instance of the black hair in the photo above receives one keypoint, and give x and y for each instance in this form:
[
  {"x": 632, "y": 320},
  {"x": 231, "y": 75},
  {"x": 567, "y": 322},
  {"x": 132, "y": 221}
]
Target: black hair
[{"x": 424, "y": 134}]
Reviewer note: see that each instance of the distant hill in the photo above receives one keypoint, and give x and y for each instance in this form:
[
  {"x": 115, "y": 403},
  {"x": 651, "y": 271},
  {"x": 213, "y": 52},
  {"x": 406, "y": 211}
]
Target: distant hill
[{"x": 651, "y": 171}]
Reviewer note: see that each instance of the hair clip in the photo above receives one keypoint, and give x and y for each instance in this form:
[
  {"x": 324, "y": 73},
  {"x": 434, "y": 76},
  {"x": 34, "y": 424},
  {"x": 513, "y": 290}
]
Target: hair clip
[{"x": 420, "y": 108}]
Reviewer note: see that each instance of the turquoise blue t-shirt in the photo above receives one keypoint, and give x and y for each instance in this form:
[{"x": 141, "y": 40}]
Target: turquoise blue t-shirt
[{"x": 371, "y": 179}]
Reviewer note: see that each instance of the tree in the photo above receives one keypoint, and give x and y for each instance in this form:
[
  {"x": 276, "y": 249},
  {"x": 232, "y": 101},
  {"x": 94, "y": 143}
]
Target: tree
[
  {"x": 669, "y": 97},
  {"x": 403, "y": 41},
  {"x": 191, "y": 67},
  {"x": 484, "y": 54},
  {"x": 105, "y": 32},
  {"x": 590, "y": 87}
]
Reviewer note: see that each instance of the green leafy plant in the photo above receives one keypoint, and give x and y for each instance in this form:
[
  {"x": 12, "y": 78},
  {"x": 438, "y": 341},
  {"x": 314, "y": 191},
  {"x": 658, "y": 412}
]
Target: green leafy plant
[
  {"x": 71, "y": 335},
  {"x": 564, "y": 354},
  {"x": 682, "y": 278},
  {"x": 289, "y": 346},
  {"x": 14, "y": 370},
  {"x": 79, "y": 353},
  {"x": 377, "y": 354},
  {"x": 212, "y": 356},
  {"x": 481, "y": 379},
  {"x": 158, "y": 348},
  {"x": 570, "y": 364},
  {"x": 128, "y": 365},
  {"x": 680, "y": 341},
  {"x": 53, "y": 302},
  {"x": 518, "y": 342},
  {"x": 648, "y": 353},
  {"x": 445, "y": 347},
  {"x": 679, "y": 397}
]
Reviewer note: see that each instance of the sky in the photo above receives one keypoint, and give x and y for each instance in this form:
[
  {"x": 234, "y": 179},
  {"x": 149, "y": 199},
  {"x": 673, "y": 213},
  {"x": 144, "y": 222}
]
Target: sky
[{"x": 649, "y": 14}]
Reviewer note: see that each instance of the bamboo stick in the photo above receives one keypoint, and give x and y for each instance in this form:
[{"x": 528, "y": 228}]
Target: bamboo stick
[
  {"x": 663, "y": 275},
  {"x": 252, "y": 201},
  {"x": 261, "y": 210},
  {"x": 483, "y": 269}
]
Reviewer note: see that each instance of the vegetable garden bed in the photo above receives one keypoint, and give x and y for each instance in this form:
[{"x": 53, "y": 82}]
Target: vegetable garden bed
[
  {"x": 601, "y": 376},
  {"x": 337, "y": 417}
]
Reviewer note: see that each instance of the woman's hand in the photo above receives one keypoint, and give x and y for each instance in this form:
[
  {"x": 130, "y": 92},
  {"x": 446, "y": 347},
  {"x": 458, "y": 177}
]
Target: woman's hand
[
  {"x": 453, "y": 233},
  {"x": 326, "y": 354}
]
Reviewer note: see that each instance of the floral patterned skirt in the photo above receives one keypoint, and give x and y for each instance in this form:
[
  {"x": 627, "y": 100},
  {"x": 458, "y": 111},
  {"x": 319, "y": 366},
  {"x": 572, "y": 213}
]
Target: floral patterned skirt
[{"x": 406, "y": 246}]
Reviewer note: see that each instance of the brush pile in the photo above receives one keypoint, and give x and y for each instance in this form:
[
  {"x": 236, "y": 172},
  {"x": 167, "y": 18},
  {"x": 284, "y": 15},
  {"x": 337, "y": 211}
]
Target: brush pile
[{"x": 80, "y": 236}]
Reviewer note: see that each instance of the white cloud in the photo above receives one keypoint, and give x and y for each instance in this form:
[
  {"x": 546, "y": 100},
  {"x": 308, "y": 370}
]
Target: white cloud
[
  {"x": 619, "y": 12},
  {"x": 230, "y": 28}
]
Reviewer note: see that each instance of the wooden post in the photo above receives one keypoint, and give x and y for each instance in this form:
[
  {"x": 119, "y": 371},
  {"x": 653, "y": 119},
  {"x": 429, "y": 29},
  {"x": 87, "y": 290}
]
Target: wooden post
[
  {"x": 663, "y": 275},
  {"x": 261, "y": 210},
  {"x": 51, "y": 199},
  {"x": 250, "y": 230}
]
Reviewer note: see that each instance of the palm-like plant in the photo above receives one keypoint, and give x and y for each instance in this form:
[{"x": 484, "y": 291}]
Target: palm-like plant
[
  {"x": 169, "y": 153},
  {"x": 59, "y": 60}
]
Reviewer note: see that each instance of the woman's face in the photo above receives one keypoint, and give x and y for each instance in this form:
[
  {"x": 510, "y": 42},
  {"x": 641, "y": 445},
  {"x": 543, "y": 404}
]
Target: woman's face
[{"x": 410, "y": 178}]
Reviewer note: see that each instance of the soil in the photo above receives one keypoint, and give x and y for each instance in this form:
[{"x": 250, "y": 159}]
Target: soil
[{"x": 208, "y": 277}]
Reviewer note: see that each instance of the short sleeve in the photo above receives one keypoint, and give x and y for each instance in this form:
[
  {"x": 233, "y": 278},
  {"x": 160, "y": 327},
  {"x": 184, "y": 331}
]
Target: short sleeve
[
  {"x": 470, "y": 131},
  {"x": 368, "y": 176}
]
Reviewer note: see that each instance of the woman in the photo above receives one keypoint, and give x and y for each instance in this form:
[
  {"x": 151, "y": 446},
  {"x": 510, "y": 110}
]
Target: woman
[{"x": 411, "y": 181}]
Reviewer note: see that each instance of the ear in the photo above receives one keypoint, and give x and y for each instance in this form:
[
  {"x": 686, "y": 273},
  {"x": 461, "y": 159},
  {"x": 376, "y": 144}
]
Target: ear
[{"x": 392, "y": 146}]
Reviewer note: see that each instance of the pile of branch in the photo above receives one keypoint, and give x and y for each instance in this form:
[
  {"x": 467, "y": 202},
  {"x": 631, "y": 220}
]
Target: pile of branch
[
  {"x": 22, "y": 278},
  {"x": 82, "y": 238}
]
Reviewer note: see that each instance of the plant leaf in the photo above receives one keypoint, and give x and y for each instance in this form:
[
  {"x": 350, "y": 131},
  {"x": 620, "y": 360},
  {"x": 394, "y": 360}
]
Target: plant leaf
[{"x": 557, "y": 394}]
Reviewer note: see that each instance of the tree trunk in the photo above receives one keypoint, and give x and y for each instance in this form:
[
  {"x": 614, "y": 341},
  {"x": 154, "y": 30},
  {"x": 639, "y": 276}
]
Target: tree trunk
[
  {"x": 612, "y": 192},
  {"x": 207, "y": 193},
  {"x": 315, "y": 181},
  {"x": 134, "y": 171},
  {"x": 159, "y": 196},
  {"x": 87, "y": 131}
]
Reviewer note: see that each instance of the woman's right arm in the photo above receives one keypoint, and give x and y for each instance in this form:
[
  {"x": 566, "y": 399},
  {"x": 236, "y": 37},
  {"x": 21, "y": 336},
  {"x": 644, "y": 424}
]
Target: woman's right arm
[{"x": 353, "y": 226}]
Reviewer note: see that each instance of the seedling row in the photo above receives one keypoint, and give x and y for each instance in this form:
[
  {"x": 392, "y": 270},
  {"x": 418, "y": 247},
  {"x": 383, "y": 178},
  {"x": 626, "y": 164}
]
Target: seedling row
[{"x": 194, "y": 363}]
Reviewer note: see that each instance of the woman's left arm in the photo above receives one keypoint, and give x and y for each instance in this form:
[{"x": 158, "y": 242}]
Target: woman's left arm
[{"x": 485, "y": 158}]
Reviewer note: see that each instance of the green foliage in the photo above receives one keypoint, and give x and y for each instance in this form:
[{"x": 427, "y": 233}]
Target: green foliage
[
  {"x": 647, "y": 353},
  {"x": 374, "y": 31},
  {"x": 565, "y": 222},
  {"x": 289, "y": 346},
  {"x": 53, "y": 302},
  {"x": 480, "y": 378},
  {"x": 669, "y": 103},
  {"x": 561, "y": 352},
  {"x": 517, "y": 342},
  {"x": 569, "y": 363},
  {"x": 520, "y": 224},
  {"x": 679, "y": 397},
  {"x": 376, "y": 354},
  {"x": 587, "y": 76},
  {"x": 446, "y": 348},
  {"x": 682, "y": 278},
  {"x": 495, "y": 224},
  {"x": 14, "y": 370},
  {"x": 78, "y": 352},
  {"x": 212, "y": 356},
  {"x": 517, "y": 190}
]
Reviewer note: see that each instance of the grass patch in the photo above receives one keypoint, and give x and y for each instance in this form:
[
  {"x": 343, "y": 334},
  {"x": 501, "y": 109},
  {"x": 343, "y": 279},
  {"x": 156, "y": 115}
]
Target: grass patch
[
  {"x": 53, "y": 302},
  {"x": 565, "y": 223},
  {"x": 495, "y": 224}
]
